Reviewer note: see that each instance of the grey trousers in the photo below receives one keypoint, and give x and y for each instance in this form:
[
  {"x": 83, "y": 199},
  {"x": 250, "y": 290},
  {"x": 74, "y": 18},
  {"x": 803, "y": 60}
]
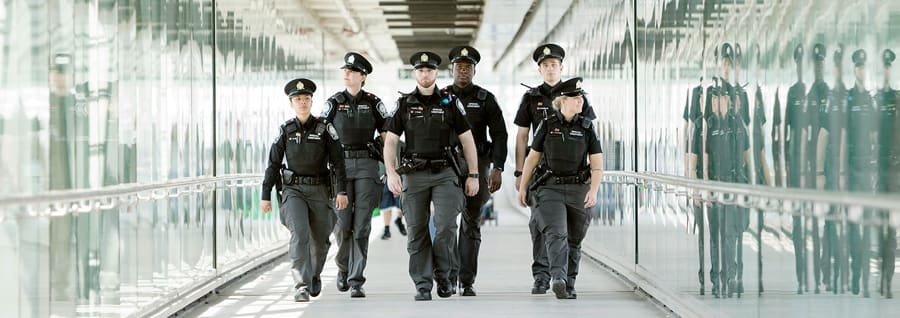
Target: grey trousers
[
  {"x": 307, "y": 214},
  {"x": 465, "y": 264},
  {"x": 431, "y": 261},
  {"x": 562, "y": 219},
  {"x": 353, "y": 227}
]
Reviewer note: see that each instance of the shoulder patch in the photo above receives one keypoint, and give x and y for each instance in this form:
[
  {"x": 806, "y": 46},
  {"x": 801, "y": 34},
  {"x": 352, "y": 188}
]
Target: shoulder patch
[
  {"x": 459, "y": 106},
  {"x": 333, "y": 132},
  {"x": 327, "y": 110},
  {"x": 482, "y": 94},
  {"x": 382, "y": 109}
]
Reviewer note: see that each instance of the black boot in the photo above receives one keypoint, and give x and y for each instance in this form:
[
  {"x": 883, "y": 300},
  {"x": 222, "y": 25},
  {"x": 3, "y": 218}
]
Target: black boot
[
  {"x": 387, "y": 233},
  {"x": 400, "y": 226}
]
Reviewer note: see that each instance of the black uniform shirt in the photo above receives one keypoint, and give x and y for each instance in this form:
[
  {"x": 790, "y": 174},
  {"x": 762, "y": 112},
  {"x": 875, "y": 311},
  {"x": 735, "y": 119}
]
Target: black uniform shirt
[
  {"x": 861, "y": 125},
  {"x": 356, "y": 118},
  {"x": 566, "y": 144},
  {"x": 536, "y": 106},
  {"x": 835, "y": 122},
  {"x": 482, "y": 112},
  {"x": 817, "y": 107},
  {"x": 887, "y": 99},
  {"x": 795, "y": 116},
  {"x": 428, "y": 121},
  {"x": 308, "y": 149}
]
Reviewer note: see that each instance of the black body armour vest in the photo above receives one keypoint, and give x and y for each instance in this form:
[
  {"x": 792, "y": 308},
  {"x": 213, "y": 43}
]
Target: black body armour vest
[
  {"x": 428, "y": 128},
  {"x": 355, "y": 122},
  {"x": 566, "y": 146}
]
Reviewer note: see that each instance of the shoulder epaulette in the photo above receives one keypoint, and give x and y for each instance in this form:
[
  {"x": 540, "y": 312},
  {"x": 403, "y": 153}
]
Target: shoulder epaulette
[
  {"x": 339, "y": 97},
  {"x": 482, "y": 94}
]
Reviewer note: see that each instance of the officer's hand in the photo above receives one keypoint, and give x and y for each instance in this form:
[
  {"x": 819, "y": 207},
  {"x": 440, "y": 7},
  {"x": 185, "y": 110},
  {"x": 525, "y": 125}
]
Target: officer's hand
[
  {"x": 265, "y": 205},
  {"x": 394, "y": 184},
  {"x": 590, "y": 200},
  {"x": 471, "y": 186},
  {"x": 340, "y": 202},
  {"x": 494, "y": 181},
  {"x": 522, "y": 199},
  {"x": 517, "y": 181}
]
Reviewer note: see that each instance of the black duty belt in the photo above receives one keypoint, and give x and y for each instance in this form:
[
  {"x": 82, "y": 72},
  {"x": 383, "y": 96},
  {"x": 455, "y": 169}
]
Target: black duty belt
[
  {"x": 356, "y": 154},
  {"x": 566, "y": 180},
  {"x": 310, "y": 180}
]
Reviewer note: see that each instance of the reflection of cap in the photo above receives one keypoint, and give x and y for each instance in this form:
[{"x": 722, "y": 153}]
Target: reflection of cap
[
  {"x": 425, "y": 59},
  {"x": 357, "y": 62},
  {"x": 299, "y": 86},
  {"x": 727, "y": 52},
  {"x": 738, "y": 53},
  {"x": 888, "y": 57},
  {"x": 859, "y": 57},
  {"x": 819, "y": 52},
  {"x": 839, "y": 54},
  {"x": 465, "y": 54},
  {"x": 546, "y": 51},
  {"x": 60, "y": 62},
  {"x": 798, "y": 53},
  {"x": 571, "y": 87}
]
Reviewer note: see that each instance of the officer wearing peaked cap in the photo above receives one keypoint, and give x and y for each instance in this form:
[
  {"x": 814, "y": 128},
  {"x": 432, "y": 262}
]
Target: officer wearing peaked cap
[
  {"x": 357, "y": 115},
  {"x": 833, "y": 128},
  {"x": 429, "y": 117},
  {"x": 564, "y": 191},
  {"x": 796, "y": 131},
  {"x": 814, "y": 177},
  {"x": 483, "y": 113},
  {"x": 535, "y": 107},
  {"x": 308, "y": 146},
  {"x": 888, "y": 163},
  {"x": 861, "y": 169}
]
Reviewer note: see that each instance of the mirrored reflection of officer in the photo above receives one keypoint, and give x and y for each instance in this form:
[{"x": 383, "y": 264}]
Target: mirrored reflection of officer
[
  {"x": 740, "y": 143},
  {"x": 833, "y": 134},
  {"x": 861, "y": 168},
  {"x": 309, "y": 146},
  {"x": 357, "y": 116},
  {"x": 431, "y": 170},
  {"x": 814, "y": 175},
  {"x": 693, "y": 118},
  {"x": 561, "y": 193},
  {"x": 795, "y": 130},
  {"x": 536, "y": 106},
  {"x": 886, "y": 100},
  {"x": 483, "y": 113}
]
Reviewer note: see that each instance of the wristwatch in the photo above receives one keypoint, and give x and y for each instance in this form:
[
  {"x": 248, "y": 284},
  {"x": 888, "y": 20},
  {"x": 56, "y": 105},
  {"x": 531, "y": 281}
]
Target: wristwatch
[
  {"x": 518, "y": 173},
  {"x": 473, "y": 175}
]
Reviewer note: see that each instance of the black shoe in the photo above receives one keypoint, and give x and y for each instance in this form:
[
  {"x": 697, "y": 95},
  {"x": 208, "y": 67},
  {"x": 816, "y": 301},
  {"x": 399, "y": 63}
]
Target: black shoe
[
  {"x": 444, "y": 290},
  {"x": 400, "y": 226},
  {"x": 316, "y": 287},
  {"x": 559, "y": 288},
  {"x": 540, "y": 287},
  {"x": 341, "y": 282},
  {"x": 423, "y": 294},
  {"x": 571, "y": 294},
  {"x": 357, "y": 292},
  {"x": 468, "y": 291},
  {"x": 387, "y": 233},
  {"x": 301, "y": 295},
  {"x": 453, "y": 289}
]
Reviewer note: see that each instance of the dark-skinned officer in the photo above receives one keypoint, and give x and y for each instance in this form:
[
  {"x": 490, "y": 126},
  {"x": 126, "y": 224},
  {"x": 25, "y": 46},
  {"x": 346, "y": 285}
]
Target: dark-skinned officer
[
  {"x": 431, "y": 173},
  {"x": 309, "y": 146},
  {"x": 357, "y": 115},
  {"x": 568, "y": 187},
  {"x": 886, "y": 101},
  {"x": 861, "y": 169},
  {"x": 536, "y": 106},
  {"x": 483, "y": 113}
]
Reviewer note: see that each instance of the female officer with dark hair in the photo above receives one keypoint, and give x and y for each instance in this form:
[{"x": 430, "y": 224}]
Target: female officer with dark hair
[
  {"x": 562, "y": 194},
  {"x": 307, "y": 144}
]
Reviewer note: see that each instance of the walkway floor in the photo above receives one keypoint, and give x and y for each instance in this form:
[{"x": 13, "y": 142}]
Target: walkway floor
[{"x": 503, "y": 286}]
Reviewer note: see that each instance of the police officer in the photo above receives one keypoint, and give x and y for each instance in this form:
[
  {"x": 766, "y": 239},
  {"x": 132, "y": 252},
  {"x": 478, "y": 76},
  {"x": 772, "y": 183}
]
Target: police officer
[
  {"x": 833, "y": 133},
  {"x": 795, "y": 130},
  {"x": 887, "y": 99},
  {"x": 482, "y": 112},
  {"x": 356, "y": 115},
  {"x": 562, "y": 194},
  {"x": 308, "y": 145},
  {"x": 741, "y": 140},
  {"x": 693, "y": 118},
  {"x": 816, "y": 103},
  {"x": 429, "y": 116},
  {"x": 535, "y": 106},
  {"x": 861, "y": 168}
]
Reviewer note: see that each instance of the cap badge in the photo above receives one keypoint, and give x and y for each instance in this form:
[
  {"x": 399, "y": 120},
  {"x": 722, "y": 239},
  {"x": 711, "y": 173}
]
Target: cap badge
[
  {"x": 546, "y": 50},
  {"x": 350, "y": 59},
  {"x": 424, "y": 57},
  {"x": 578, "y": 84},
  {"x": 300, "y": 85},
  {"x": 464, "y": 52}
]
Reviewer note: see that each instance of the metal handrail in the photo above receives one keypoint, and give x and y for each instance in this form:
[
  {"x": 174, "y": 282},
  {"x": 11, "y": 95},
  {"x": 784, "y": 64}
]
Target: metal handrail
[
  {"x": 865, "y": 200},
  {"x": 68, "y": 198}
]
